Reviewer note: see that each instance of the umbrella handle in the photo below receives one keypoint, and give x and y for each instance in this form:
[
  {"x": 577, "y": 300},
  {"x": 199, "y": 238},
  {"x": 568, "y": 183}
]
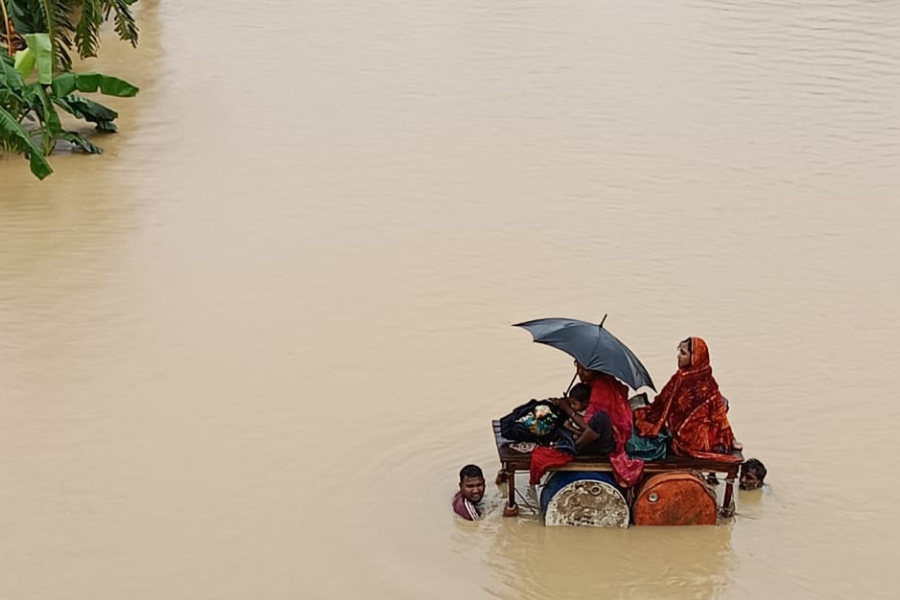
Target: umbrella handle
[{"x": 571, "y": 383}]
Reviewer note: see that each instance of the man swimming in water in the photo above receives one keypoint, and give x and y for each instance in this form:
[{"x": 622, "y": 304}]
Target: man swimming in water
[
  {"x": 471, "y": 491},
  {"x": 753, "y": 475}
]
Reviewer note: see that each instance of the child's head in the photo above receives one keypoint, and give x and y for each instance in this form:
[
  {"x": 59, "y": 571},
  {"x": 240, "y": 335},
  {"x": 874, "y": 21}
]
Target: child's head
[
  {"x": 580, "y": 396},
  {"x": 471, "y": 483},
  {"x": 753, "y": 474}
]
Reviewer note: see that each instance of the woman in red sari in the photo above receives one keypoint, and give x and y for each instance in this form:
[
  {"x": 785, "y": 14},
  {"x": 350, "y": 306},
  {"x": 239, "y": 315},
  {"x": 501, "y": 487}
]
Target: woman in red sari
[
  {"x": 608, "y": 405},
  {"x": 611, "y": 397},
  {"x": 691, "y": 408}
]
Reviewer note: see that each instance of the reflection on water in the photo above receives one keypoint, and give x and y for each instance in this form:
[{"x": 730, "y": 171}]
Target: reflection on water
[{"x": 245, "y": 352}]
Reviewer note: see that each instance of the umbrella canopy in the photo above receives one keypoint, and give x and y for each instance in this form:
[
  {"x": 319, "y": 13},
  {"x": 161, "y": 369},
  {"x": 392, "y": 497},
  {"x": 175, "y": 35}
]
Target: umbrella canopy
[{"x": 593, "y": 346}]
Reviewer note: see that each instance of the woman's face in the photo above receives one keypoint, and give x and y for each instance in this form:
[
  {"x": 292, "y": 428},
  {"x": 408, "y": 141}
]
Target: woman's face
[
  {"x": 585, "y": 375},
  {"x": 684, "y": 356}
]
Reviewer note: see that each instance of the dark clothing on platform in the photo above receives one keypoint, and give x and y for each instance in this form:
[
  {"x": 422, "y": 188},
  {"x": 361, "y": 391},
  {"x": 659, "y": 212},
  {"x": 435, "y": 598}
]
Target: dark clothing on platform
[
  {"x": 606, "y": 443},
  {"x": 520, "y": 426}
]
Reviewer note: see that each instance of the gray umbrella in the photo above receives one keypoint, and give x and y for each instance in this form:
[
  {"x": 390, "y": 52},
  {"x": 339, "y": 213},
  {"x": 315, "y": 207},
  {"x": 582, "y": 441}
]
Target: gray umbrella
[{"x": 591, "y": 345}]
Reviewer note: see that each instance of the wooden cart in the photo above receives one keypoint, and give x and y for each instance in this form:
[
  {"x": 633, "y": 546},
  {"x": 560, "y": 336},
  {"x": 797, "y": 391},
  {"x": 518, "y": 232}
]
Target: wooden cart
[{"x": 512, "y": 461}]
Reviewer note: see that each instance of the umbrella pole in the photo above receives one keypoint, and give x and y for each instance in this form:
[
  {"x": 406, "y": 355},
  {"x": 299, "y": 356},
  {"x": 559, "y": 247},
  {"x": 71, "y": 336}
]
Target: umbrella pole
[{"x": 571, "y": 383}]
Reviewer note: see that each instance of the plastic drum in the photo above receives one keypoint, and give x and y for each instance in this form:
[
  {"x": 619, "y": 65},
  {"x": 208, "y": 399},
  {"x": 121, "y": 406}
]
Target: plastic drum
[
  {"x": 577, "y": 498},
  {"x": 676, "y": 498}
]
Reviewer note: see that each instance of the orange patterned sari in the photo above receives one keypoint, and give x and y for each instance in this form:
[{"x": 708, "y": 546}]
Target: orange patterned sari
[{"x": 691, "y": 408}]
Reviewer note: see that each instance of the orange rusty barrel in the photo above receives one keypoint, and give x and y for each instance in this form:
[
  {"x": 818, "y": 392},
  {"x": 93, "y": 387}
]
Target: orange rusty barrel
[{"x": 675, "y": 498}]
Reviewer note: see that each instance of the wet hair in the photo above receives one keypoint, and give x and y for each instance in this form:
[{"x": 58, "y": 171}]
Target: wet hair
[
  {"x": 755, "y": 466},
  {"x": 470, "y": 471},
  {"x": 580, "y": 392}
]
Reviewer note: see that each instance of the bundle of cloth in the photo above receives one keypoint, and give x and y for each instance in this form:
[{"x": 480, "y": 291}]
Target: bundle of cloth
[{"x": 539, "y": 422}]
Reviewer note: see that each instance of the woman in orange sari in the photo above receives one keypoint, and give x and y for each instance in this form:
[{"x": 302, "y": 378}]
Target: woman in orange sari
[{"x": 691, "y": 408}]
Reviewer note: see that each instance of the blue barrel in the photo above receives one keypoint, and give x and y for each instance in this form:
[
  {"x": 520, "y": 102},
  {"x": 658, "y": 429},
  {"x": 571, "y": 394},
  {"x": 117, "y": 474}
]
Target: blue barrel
[{"x": 584, "y": 498}]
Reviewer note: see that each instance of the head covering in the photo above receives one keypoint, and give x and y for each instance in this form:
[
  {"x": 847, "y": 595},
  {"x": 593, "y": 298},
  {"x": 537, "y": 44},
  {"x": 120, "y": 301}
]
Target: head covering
[{"x": 699, "y": 354}]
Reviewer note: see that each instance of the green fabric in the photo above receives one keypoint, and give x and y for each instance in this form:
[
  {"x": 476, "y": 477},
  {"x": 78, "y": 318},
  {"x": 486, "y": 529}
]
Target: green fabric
[{"x": 648, "y": 448}]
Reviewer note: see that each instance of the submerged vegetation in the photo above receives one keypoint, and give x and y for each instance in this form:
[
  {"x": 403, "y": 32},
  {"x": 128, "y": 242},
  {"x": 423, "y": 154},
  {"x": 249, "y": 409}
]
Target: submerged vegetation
[{"x": 37, "y": 42}]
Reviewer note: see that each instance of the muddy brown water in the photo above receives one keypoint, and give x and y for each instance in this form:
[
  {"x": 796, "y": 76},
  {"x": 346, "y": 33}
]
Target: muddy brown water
[{"x": 244, "y": 352}]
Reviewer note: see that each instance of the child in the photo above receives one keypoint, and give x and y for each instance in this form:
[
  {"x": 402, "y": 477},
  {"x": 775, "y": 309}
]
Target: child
[
  {"x": 471, "y": 491},
  {"x": 579, "y": 398}
]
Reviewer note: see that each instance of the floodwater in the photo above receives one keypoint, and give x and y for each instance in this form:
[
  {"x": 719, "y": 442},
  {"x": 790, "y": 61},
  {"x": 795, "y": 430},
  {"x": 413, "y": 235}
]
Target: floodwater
[{"x": 244, "y": 353}]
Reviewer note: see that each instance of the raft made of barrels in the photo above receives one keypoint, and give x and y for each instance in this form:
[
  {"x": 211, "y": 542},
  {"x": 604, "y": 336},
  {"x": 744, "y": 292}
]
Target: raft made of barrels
[
  {"x": 584, "y": 498},
  {"x": 675, "y": 498}
]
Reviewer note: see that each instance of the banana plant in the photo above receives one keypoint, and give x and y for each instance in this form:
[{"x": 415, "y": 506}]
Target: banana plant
[
  {"x": 14, "y": 137},
  {"x": 30, "y": 91},
  {"x": 73, "y": 25}
]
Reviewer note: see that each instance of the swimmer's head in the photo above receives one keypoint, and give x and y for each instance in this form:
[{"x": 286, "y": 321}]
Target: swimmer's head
[
  {"x": 753, "y": 474},
  {"x": 471, "y": 483}
]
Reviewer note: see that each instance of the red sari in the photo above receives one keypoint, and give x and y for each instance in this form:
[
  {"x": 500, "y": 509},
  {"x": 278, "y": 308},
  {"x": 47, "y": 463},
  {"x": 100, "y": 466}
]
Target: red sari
[
  {"x": 691, "y": 408},
  {"x": 611, "y": 397}
]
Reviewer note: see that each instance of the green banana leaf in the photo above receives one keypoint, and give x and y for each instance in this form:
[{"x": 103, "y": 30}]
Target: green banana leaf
[
  {"x": 13, "y": 135},
  {"x": 10, "y": 78},
  {"x": 79, "y": 141},
  {"x": 42, "y": 47},
  {"x": 25, "y": 62},
  {"x": 65, "y": 84},
  {"x": 90, "y": 111},
  {"x": 40, "y": 103}
]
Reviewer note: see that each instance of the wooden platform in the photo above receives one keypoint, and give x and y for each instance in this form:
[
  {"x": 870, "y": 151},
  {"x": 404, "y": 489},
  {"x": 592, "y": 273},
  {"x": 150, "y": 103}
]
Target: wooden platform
[{"x": 512, "y": 461}]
